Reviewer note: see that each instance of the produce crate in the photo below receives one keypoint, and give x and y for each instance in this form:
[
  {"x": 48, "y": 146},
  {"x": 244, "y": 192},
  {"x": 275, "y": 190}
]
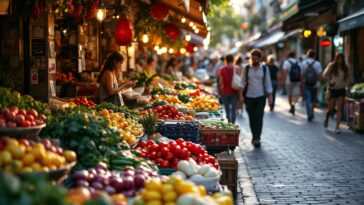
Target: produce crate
[
  {"x": 222, "y": 138},
  {"x": 355, "y": 110},
  {"x": 229, "y": 169},
  {"x": 166, "y": 171},
  {"x": 171, "y": 130}
]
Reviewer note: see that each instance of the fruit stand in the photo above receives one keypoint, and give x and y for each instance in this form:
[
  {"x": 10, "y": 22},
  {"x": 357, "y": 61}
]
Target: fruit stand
[
  {"x": 355, "y": 107},
  {"x": 99, "y": 152}
]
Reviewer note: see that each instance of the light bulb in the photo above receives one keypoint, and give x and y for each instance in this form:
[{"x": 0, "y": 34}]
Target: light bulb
[
  {"x": 170, "y": 50},
  {"x": 145, "y": 38},
  {"x": 197, "y": 31},
  {"x": 188, "y": 37},
  {"x": 195, "y": 49},
  {"x": 156, "y": 48},
  {"x": 101, "y": 14},
  {"x": 183, "y": 20},
  {"x": 191, "y": 24},
  {"x": 182, "y": 50}
]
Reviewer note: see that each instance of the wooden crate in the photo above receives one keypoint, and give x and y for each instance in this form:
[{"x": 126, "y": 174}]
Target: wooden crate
[{"x": 229, "y": 169}]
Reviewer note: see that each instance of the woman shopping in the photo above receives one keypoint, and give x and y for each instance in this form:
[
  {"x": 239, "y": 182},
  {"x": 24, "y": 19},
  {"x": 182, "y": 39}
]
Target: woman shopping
[
  {"x": 337, "y": 77},
  {"x": 109, "y": 88}
]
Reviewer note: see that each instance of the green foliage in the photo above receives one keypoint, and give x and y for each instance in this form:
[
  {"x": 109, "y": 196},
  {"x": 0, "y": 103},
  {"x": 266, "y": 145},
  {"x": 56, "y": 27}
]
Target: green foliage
[
  {"x": 32, "y": 190},
  {"x": 144, "y": 78},
  {"x": 89, "y": 136},
  {"x": 9, "y": 98},
  {"x": 148, "y": 121},
  {"x": 223, "y": 21}
]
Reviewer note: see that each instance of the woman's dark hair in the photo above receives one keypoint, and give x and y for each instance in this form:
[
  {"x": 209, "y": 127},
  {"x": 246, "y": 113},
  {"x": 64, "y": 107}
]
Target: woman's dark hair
[
  {"x": 291, "y": 54},
  {"x": 336, "y": 66},
  {"x": 229, "y": 58},
  {"x": 239, "y": 61},
  {"x": 110, "y": 62},
  {"x": 171, "y": 62}
]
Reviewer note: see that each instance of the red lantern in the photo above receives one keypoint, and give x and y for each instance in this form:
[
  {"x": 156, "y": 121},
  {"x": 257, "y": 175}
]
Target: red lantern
[
  {"x": 190, "y": 47},
  {"x": 159, "y": 11},
  {"x": 325, "y": 42},
  {"x": 123, "y": 32},
  {"x": 172, "y": 31}
]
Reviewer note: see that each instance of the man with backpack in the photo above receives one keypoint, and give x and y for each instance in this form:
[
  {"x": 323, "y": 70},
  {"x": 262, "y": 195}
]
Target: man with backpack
[
  {"x": 311, "y": 77},
  {"x": 292, "y": 74},
  {"x": 257, "y": 87}
]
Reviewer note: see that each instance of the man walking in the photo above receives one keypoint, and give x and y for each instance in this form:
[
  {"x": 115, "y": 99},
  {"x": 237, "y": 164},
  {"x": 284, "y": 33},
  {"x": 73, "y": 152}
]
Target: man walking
[
  {"x": 311, "y": 75},
  {"x": 292, "y": 76},
  {"x": 257, "y": 86}
]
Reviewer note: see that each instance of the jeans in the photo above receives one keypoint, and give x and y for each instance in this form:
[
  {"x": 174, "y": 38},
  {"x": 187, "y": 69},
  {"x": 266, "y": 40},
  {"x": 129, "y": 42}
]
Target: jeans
[
  {"x": 230, "y": 102},
  {"x": 255, "y": 109},
  {"x": 274, "y": 86},
  {"x": 310, "y": 96}
]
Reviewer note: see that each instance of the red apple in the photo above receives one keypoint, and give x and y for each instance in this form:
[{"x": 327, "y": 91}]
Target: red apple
[
  {"x": 39, "y": 122},
  {"x": 14, "y": 109},
  {"x": 29, "y": 117},
  {"x": 26, "y": 123},
  {"x": 10, "y": 124},
  {"x": 22, "y": 111},
  {"x": 32, "y": 124},
  {"x": 19, "y": 118},
  {"x": 24, "y": 142},
  {"x": 4, "y": 111},
  {"x": 10, "y": 116},
  {"x": 42, "y": 117},
  {"x": 2, "y": 123}
]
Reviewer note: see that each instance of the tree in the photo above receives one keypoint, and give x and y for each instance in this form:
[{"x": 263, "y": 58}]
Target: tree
[{"x": 223, "y": 21}]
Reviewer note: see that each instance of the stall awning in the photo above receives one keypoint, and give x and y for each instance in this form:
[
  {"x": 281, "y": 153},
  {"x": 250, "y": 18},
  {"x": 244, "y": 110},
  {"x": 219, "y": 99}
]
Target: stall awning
[
  {"x": 355, "y": 20},
  {"x": 290, "y": 34},
  {"x": 270, "y": 39},
  {"x": 249, "y": 40},
  {"x": 195, "y": 14},
  {"x": 306, "y": 9}
]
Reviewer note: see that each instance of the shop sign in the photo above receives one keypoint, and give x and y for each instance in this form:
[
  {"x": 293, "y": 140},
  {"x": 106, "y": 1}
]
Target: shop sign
[
  {"x": 325, "y": 42},
  {"x": 38, "y": 47}
]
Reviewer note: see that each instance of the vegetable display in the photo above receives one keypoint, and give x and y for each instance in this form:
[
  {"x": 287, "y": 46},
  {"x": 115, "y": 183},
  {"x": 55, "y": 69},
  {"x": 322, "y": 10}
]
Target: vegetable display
[
  {"x": 93, "y": 140},
  {"x": 10, "y": 98},
  {"x": 83, "y": 101},
  {"x": 357, "y": 91},
  {"x": 205, "y": 103},
  {"x": 220, "y": 124},
  {"x": 19, "y": 156},
  {"x": 167, "y": 112},
  {"x": 109, "y": 106},
  {"x": 167, "y": 155},
  {"x": 127, "y": 182},
  {"x": 14, "y": 117}
]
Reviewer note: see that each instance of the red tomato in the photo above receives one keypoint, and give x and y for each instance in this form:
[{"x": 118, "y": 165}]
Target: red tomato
[
  {"x": 39, "y": 122},
  {"x": 185, "y": 153},
  {"x": 179, "y": 141},
  {"x": 163, "y": 144},
  {"x": 159, "y": 161},
  {"x": 33, "y": 112},
  {"x": 19, "y": 118},
  {"x": 14, "y": 109},
  {"x": 174, "y": 163},
  {"x": 169, "y": 156},
  {"x": 2, "y": 123},
  {"x": 22, "y": 112},
  {"x": 152, "y": 155},
  {"x": 176, "y": 150},
  {"x": 159, "y": 154},
  {"x": 153, "y": 147},
  {"x": 159, "y": 108},
  {"x": 150, "y": 142},
  {"x": 164, "y": 151},
  {"x": 142, "y": 144},
  {"x": 10, "y": 124},
  {"x": 165, "y": 164},
  {"x": 10, "y": 116}
]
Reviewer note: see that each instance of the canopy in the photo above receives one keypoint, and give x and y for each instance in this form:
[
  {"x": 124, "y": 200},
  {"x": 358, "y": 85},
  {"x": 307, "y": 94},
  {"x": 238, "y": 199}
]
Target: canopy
[
  {"x": 353, "y": 21},
  {"x": 270, "y": 39}
]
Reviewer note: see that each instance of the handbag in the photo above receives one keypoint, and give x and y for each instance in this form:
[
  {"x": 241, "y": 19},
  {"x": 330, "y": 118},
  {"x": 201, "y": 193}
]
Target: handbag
[{"x": 236, "y": 83}]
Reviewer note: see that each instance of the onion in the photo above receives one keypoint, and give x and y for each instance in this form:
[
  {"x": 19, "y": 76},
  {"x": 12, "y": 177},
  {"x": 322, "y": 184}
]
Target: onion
[
  {"x": 117, "y": 183},
  {"x": 110, "y": 190},
  {"x": 130, "y": 193},
  {"x": 81, "y": 183},
  {"x": 90, "y": 177},
  {"x": 97, "y": 185},
  {"x": 126, "y": 168},
  {"x": 101, "y": 180},
  {"x": 81, "y": 175},
  {"x": 92, "y": 171},
  {"x": 139, "y": 180},
  {"x": 129, "y": 173},
  {"x": 100, "y": 171},
  {"x": 128, "y": 183},
  {"x": 101, "y": 165}
]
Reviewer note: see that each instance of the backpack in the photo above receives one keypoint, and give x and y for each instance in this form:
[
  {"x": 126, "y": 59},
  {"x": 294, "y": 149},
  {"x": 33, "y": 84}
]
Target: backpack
[
  {"x": 310, "y": 75},
  {"x": 295, "y": 72},
  {"x": 246, "y": 79}
]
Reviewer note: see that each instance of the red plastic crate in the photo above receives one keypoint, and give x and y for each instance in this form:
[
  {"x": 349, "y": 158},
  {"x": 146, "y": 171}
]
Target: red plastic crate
[{"x": 220, "y": 137}]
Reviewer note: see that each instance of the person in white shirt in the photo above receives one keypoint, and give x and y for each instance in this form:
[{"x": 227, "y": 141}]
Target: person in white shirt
[
  {"x": 311, "y": 75},
  {"x": 257, "y": 87},
  {"x": 292, "y": 80}
]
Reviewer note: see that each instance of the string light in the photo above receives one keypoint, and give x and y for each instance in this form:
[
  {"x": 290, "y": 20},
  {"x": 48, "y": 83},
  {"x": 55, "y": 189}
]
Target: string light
[
  {"x": 183, "y": 20},
  {"x": 188, "y": 37}
]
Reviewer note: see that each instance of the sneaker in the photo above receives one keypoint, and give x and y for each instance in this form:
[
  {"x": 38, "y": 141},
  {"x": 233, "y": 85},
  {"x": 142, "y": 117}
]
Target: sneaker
[
  {"x": 256, "y": 143},
  {"x": 293, "y": 110},
  {"x": 326, "y": 123},
  {"x": 337, "y": 131}
]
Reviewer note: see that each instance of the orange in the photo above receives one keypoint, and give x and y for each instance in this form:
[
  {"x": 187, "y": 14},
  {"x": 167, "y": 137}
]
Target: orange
[
  {"x": 6, "y": 157},
  {"x": 38, "y": 153},
  {"x": 28, "y": 159},
  {"x": 36, "y": 167},
  {"x": 17, "y": 151},
  {"x": 70, "y": 155}
]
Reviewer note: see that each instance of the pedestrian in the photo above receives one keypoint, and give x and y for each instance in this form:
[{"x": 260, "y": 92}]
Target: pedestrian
[
  {"x": 150, "y": 66},
  {"x": 274, "y": 77},
  {"x": 239, "y": 66},
  {"x": 110, "y": 89},
  {"x": 292, "y": 76},
  {"x": 311, "y": 77},
  {"x": 337, "y": 77},
  {"x": 257, "y": 86},
  {"x": 229, "y": 96}
]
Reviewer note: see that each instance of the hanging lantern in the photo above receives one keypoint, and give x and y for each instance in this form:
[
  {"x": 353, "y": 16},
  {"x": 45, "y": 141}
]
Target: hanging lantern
[
  {"x": 325, "y": 42},
  {"x": 190, "y": 47},
  {"x": 4, "y": 7},
  {"x": 244, "y": 26},
  {"x": 124, "y": 32},
  {"x": 159, "y": 11},
  {"x": 172, "y": 31}
]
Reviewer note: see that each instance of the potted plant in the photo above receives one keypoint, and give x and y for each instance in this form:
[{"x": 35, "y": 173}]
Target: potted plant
[
  {"x": 149, "y": 122},
  {"x": 144, "y": 79}
]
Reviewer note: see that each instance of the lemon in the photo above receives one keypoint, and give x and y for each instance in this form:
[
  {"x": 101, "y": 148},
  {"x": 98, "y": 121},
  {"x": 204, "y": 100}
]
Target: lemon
[
  {"x": 170, "y": 196},
  {"x": 154, "y": 185}
]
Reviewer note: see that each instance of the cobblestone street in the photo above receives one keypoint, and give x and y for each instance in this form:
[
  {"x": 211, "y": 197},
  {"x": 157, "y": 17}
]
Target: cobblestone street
[{"x": 300, "y": 162}]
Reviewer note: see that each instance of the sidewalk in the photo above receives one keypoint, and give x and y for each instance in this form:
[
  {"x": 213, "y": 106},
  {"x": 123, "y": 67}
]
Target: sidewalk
[{"x": 300, "y": 162}]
